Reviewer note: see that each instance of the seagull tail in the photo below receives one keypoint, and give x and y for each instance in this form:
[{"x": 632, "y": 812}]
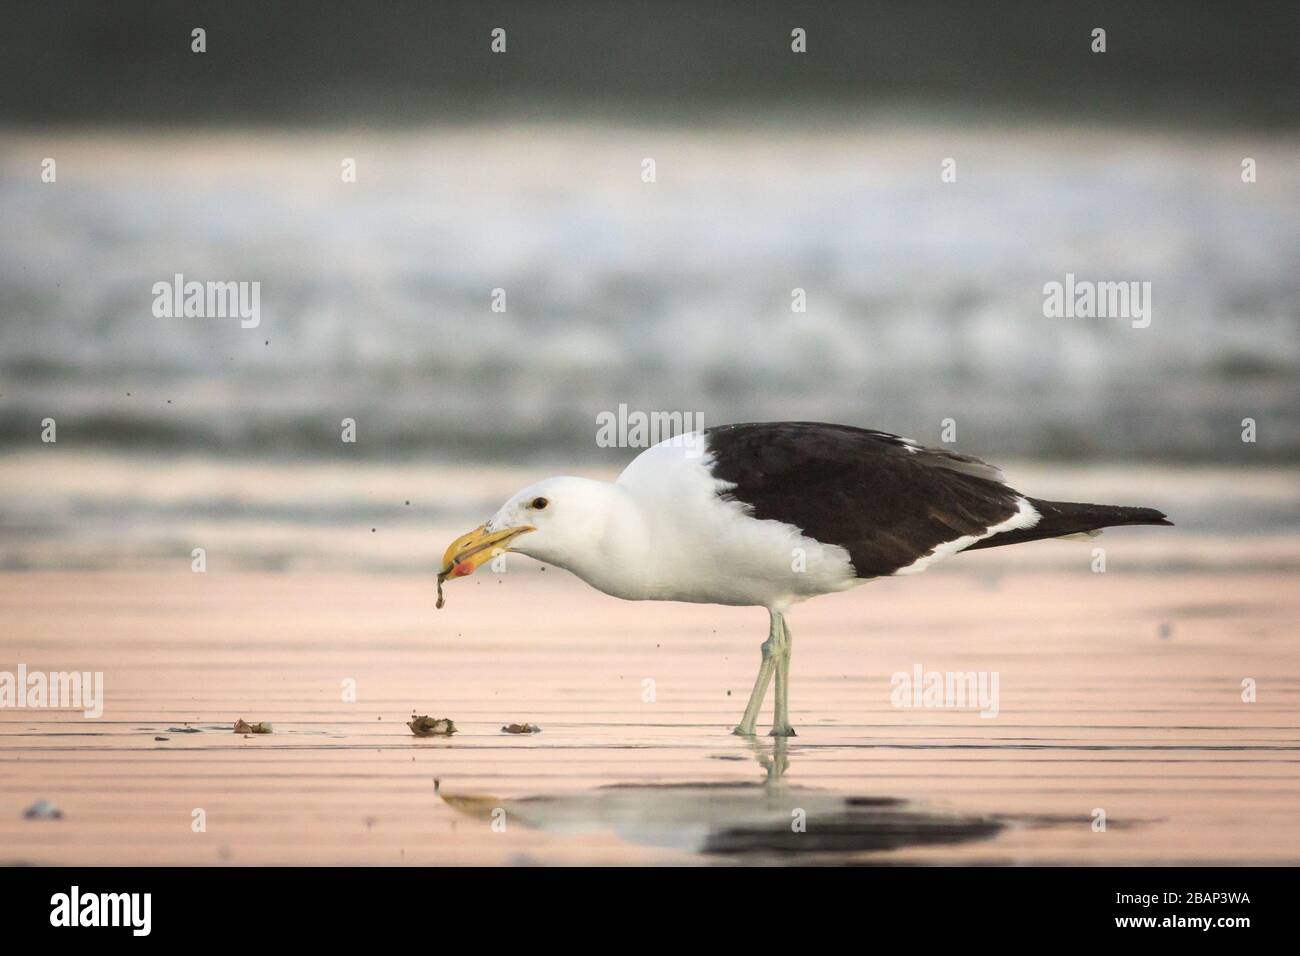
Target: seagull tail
[{"x": 1059, "y": 519}]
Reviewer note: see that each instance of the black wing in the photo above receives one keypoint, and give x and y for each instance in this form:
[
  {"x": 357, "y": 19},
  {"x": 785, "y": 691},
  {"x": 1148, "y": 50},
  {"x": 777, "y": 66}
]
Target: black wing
[{"x": 886, "y": 500}]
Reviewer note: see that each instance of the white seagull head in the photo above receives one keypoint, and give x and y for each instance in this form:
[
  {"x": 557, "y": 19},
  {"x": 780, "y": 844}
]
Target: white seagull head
[{"x": 556, "y": 520}]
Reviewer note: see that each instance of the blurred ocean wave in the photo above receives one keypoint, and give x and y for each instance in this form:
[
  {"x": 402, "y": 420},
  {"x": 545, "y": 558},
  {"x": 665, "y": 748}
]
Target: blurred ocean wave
[{"x": 924, "y": 299}]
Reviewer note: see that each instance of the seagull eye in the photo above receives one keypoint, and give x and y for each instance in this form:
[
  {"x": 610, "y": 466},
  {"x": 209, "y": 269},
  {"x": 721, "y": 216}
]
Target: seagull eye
[{"x": 537, "y": 504}]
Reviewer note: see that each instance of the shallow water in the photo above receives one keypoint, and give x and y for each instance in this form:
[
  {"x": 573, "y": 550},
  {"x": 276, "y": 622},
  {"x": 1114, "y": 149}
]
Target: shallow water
[
  {"x": 1119, "y": 692},
  {"x": 64, "y": 508}
]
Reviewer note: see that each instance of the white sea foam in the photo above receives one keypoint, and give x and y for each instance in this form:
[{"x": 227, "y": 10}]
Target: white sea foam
[{"x": 924, "y": 298}]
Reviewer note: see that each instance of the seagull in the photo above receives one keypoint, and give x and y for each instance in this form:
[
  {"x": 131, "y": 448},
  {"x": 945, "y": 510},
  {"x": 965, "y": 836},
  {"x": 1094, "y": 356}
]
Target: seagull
[{"x": 769, "y": 514}]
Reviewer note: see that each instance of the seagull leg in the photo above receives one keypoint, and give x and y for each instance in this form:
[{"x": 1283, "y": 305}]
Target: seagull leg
[
  {"x": 747, "y": 722},
  {"x": 781, "y": 712}
]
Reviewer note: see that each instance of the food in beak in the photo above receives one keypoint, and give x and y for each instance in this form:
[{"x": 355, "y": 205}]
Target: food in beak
[{"x": 464, "y": 555}]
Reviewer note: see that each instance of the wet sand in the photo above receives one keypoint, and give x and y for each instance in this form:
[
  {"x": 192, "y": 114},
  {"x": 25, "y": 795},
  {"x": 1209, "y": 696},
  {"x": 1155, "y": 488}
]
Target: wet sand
[{"x": 1119, "y": 691}]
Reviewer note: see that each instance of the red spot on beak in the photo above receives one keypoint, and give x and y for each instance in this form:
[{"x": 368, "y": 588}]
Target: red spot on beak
[{"x": 462, "y": 569}]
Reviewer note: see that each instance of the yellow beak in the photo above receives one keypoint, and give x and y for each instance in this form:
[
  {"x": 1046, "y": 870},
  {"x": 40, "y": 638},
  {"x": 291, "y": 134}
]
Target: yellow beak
[{"x": 477, "y": 547}]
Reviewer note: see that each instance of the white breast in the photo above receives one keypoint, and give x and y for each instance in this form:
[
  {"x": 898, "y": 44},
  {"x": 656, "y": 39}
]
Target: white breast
[{"x": 705, "y": 549}]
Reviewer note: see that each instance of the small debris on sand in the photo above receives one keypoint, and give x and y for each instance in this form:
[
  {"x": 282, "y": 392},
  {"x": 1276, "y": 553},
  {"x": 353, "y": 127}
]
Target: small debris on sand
[
  {"x": 243, "y": 727},
  {"x": 162, "y": 738},
  {"x": 43, "y": 810},
  {"x": 521, "y": 729},
  {"x": 426, "y": 726},
  {"x": 184, "y": 730}
]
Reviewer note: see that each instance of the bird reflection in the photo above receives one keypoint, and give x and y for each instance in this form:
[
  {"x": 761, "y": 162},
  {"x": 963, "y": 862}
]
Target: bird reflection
[
  {"x": 769, "y": 817},
  {"x": 774, "y": 764}
]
